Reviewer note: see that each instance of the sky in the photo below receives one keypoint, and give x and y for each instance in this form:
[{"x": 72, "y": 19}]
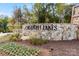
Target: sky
[{"x": 6, "y": 9}]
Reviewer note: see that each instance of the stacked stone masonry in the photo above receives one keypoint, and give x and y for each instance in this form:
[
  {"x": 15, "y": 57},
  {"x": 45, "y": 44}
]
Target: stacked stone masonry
[{"x": 50, "y": 31}]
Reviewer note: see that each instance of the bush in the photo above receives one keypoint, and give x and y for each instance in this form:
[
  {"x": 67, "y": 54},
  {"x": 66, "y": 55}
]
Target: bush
[
  {"x": 14, "y": 37},
  {"x": 38, "y": 41}
]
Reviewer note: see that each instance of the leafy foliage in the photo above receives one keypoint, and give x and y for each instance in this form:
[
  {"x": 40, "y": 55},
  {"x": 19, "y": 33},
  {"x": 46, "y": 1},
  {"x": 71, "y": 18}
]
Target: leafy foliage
[
  {"x": 38, "y": 41},
  {"x": 14, "y": 37},
  {"x": 13, "y": 49},
  {"x": 68, "y": 12},
  {"x": 3, "y": 24}
]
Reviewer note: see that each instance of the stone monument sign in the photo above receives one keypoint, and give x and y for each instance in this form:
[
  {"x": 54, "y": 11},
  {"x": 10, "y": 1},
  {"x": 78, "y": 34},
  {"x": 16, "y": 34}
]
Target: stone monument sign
[{"x": 50, "y": 31}]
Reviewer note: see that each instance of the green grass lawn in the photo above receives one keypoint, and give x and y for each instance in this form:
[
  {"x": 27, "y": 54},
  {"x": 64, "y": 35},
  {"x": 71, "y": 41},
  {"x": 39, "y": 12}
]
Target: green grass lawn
[{"x": 13, "y": 49}]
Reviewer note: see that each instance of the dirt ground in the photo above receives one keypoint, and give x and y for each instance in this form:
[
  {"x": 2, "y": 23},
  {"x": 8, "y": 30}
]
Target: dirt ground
[
  {"x": 57, "y": 48},
  {"x": 54, "y": 48}
]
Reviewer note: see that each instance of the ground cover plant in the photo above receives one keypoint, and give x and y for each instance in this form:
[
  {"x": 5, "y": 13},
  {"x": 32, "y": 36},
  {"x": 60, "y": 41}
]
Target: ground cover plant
[{"x": 13, "y": 49}]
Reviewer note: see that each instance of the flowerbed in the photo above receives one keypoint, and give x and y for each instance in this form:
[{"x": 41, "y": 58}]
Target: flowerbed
[{"x": 13, "y": 49}]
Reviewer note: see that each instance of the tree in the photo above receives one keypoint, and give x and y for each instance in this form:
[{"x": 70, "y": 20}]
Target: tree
[
  {"x": 26, "y": 14},
  {"x": 17, "y": 15},
  {"x": 68, "y": 13},
  {"x": 52, "y": 15},
  {"x": 3, "y": 24},
  {"x": 40, "y": 12},
  {"x": 43, "y": 13},
  {"x": 11, "y": 23},
  {"x": 46, "y": 13},
  {"x": 60, "y": 7}
]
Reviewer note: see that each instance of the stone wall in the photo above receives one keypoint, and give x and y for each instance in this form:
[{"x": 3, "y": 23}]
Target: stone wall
[{"x": 50, "y": 31}]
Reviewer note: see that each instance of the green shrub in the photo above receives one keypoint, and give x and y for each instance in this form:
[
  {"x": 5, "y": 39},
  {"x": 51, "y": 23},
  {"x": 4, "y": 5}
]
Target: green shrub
[
  {"x": 38, "y": 41},
  {"x": 14, "y": 37}
]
